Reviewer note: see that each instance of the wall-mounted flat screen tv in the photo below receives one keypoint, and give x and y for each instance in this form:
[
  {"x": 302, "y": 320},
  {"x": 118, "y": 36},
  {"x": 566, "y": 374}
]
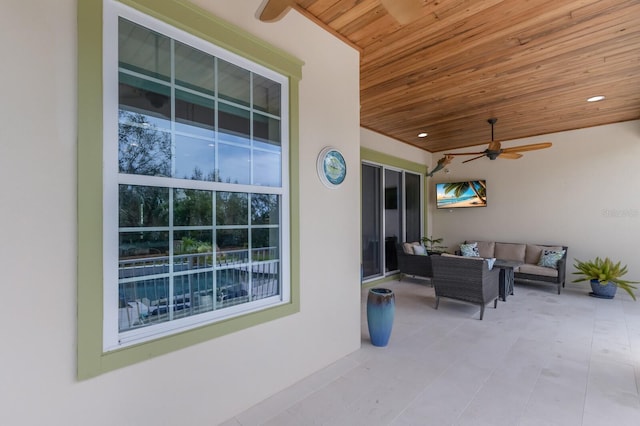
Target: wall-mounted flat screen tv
[{"x": 469, "y": 193}]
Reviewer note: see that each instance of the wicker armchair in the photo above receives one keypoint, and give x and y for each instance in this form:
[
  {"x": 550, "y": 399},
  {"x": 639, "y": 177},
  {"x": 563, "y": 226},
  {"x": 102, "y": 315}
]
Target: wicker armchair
[
  {"x": 414, "y": 265},
  {"x": 469, "y": 280}
]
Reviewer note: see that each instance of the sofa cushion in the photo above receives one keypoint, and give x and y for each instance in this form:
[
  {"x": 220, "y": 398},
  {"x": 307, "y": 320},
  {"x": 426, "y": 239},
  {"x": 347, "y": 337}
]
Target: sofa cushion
[
  {"x": 509, "y": 251},
  {"x": 461, "y": 257},
  {"x": 550, "y": 258},
  {"x": 537, "y": 270},
  {"x": 485, "y": 248},
  {"x": 533, "y": 252},
  {"x": 470, "y": 249}
]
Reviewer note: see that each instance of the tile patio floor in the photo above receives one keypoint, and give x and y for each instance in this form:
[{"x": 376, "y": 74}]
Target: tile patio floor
[{"x": 538, "y": 359}]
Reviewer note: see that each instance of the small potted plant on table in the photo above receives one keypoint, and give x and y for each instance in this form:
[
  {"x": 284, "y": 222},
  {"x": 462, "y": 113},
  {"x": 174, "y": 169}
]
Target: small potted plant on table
[
  {"x": 605, "y": 277},
  {"x": 433, "y": 245}
]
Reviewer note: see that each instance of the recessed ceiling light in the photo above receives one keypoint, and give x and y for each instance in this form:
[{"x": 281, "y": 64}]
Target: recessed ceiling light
[
  {"x": 595, "y": 98},
  {"x": 422, "y": 135}
]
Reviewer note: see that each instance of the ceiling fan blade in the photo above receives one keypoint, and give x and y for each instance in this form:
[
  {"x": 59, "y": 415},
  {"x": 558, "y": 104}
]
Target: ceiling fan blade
[
  {"x": 474, "y": 158},
  {"x": 403, "y": 11},
  {"x": 510, "y": 155},
  {"x": 494, "y": 146},
  {"x": 531, "y": 147},
  {"x": 274, "y": 10},
  {"x": 467, "y": 153}
]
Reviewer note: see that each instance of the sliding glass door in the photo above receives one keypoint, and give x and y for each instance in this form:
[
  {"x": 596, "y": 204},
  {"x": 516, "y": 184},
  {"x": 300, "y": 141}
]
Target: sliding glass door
[
  {"x": 371, "y": 221},
  {"x": 391, "y": 214},
  {"x": 393, "y": 217},
  {"x": 413, "y": 206}
]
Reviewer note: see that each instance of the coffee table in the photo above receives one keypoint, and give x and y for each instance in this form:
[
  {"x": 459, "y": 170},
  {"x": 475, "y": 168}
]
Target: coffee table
[{"x": 506, "y": 276}]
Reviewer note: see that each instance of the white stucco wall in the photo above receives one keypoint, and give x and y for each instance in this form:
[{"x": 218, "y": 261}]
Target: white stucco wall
[
  {"x": 206, "y": 383},
  {"x": 376, "y": 141}
]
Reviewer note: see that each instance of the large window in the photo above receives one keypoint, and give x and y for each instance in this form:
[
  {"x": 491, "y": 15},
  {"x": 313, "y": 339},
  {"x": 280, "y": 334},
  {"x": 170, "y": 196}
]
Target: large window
[
  {"x": 188, "y": 187},
  {"x": 195, "y": 182}
]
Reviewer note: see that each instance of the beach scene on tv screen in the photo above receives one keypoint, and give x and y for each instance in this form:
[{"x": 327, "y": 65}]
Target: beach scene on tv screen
[{"x": 471, "y": 193}]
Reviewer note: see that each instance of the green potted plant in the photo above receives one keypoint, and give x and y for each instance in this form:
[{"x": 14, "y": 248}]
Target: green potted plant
[
  {"x": 433, "y": 244},
  {"x": 605, "y": 277}
]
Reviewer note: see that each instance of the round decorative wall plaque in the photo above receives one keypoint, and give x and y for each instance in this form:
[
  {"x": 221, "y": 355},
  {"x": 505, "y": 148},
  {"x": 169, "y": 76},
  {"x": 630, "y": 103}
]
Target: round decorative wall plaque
[{"x": 332, "y": 168}]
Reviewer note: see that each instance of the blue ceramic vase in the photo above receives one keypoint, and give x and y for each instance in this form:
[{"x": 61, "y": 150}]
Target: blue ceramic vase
[{"x": 381, "y": 308}]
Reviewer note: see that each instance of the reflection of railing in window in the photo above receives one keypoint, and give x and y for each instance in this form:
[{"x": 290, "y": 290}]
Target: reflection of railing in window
[{"x": 150, "y": 293}]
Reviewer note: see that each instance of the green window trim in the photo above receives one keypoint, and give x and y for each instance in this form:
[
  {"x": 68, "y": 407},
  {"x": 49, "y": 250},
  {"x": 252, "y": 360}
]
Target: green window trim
[
  {"x": 367, "y": 154},
  {"x": 92, "y": 360}
]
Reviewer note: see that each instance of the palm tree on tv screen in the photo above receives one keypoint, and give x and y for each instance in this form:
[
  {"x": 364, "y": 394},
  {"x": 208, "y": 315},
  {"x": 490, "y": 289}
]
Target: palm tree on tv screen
[{"x": 460, "y": 188}]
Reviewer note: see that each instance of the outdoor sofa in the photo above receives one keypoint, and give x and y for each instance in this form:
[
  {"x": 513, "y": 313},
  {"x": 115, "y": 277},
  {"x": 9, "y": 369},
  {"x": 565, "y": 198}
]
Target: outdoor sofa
[{"x": 538, "y": 266}]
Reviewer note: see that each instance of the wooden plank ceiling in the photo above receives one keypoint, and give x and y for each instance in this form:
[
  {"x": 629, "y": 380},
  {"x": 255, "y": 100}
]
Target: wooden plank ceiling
[{"x": 530, "y": 63}]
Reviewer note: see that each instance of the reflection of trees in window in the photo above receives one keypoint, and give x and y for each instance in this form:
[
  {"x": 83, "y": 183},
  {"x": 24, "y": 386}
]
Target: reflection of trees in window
[
  {"x": 231, "y": 208},
  {"x": 143, "y": 244},
  {"x": 198, "y": 174},
  {"x": 262, "y": 238},
  {"x": 233, "y": 239},
  {"x": 264, "y": 209},
  {"x": 143, "y": 206},
  {"x": 142, "y": 149},
  {"x": 192, "y": 207}
]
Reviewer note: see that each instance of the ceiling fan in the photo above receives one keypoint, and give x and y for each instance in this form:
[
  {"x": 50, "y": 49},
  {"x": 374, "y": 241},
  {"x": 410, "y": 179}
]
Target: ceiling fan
[
  {"x": 494, "y": 150},
  {"x": 403, "y": 11}
]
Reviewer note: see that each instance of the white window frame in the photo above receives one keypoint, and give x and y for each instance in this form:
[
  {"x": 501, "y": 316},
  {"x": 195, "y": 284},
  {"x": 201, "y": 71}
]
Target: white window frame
[{"x": 112, "y": 338}]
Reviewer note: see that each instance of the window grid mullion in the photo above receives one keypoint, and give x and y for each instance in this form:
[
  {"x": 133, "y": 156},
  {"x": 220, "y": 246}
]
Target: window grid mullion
[
  {"x": 216, "y": 121},
  {"x": 173, "y": 173}
]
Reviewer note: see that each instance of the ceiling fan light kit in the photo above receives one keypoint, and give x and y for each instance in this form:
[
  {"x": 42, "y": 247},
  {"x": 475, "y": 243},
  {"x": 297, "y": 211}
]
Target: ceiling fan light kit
[{"x": 403, "y": 11}]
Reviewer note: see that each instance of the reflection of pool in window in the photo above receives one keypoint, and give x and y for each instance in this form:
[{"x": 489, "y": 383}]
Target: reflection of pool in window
[{"x": 171, "y": 296}]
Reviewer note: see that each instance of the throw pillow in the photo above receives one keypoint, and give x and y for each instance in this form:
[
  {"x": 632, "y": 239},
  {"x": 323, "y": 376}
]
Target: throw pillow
[
  {"x": 408, "y": 248},
  {"x": 550, "y": 258},
  {"x": 490, "y": 261},
  {"x": 419, "y": 250},
  {"x": 470, "y": 250}
]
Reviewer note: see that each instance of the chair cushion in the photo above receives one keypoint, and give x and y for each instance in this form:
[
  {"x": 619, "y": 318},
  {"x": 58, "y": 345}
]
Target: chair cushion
[
  {"x": 508, "y": 251},
  {"x": 408, "y": 248},
  {"x": 534, "y": 251},
  {"x": 537, "y": 270}
]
